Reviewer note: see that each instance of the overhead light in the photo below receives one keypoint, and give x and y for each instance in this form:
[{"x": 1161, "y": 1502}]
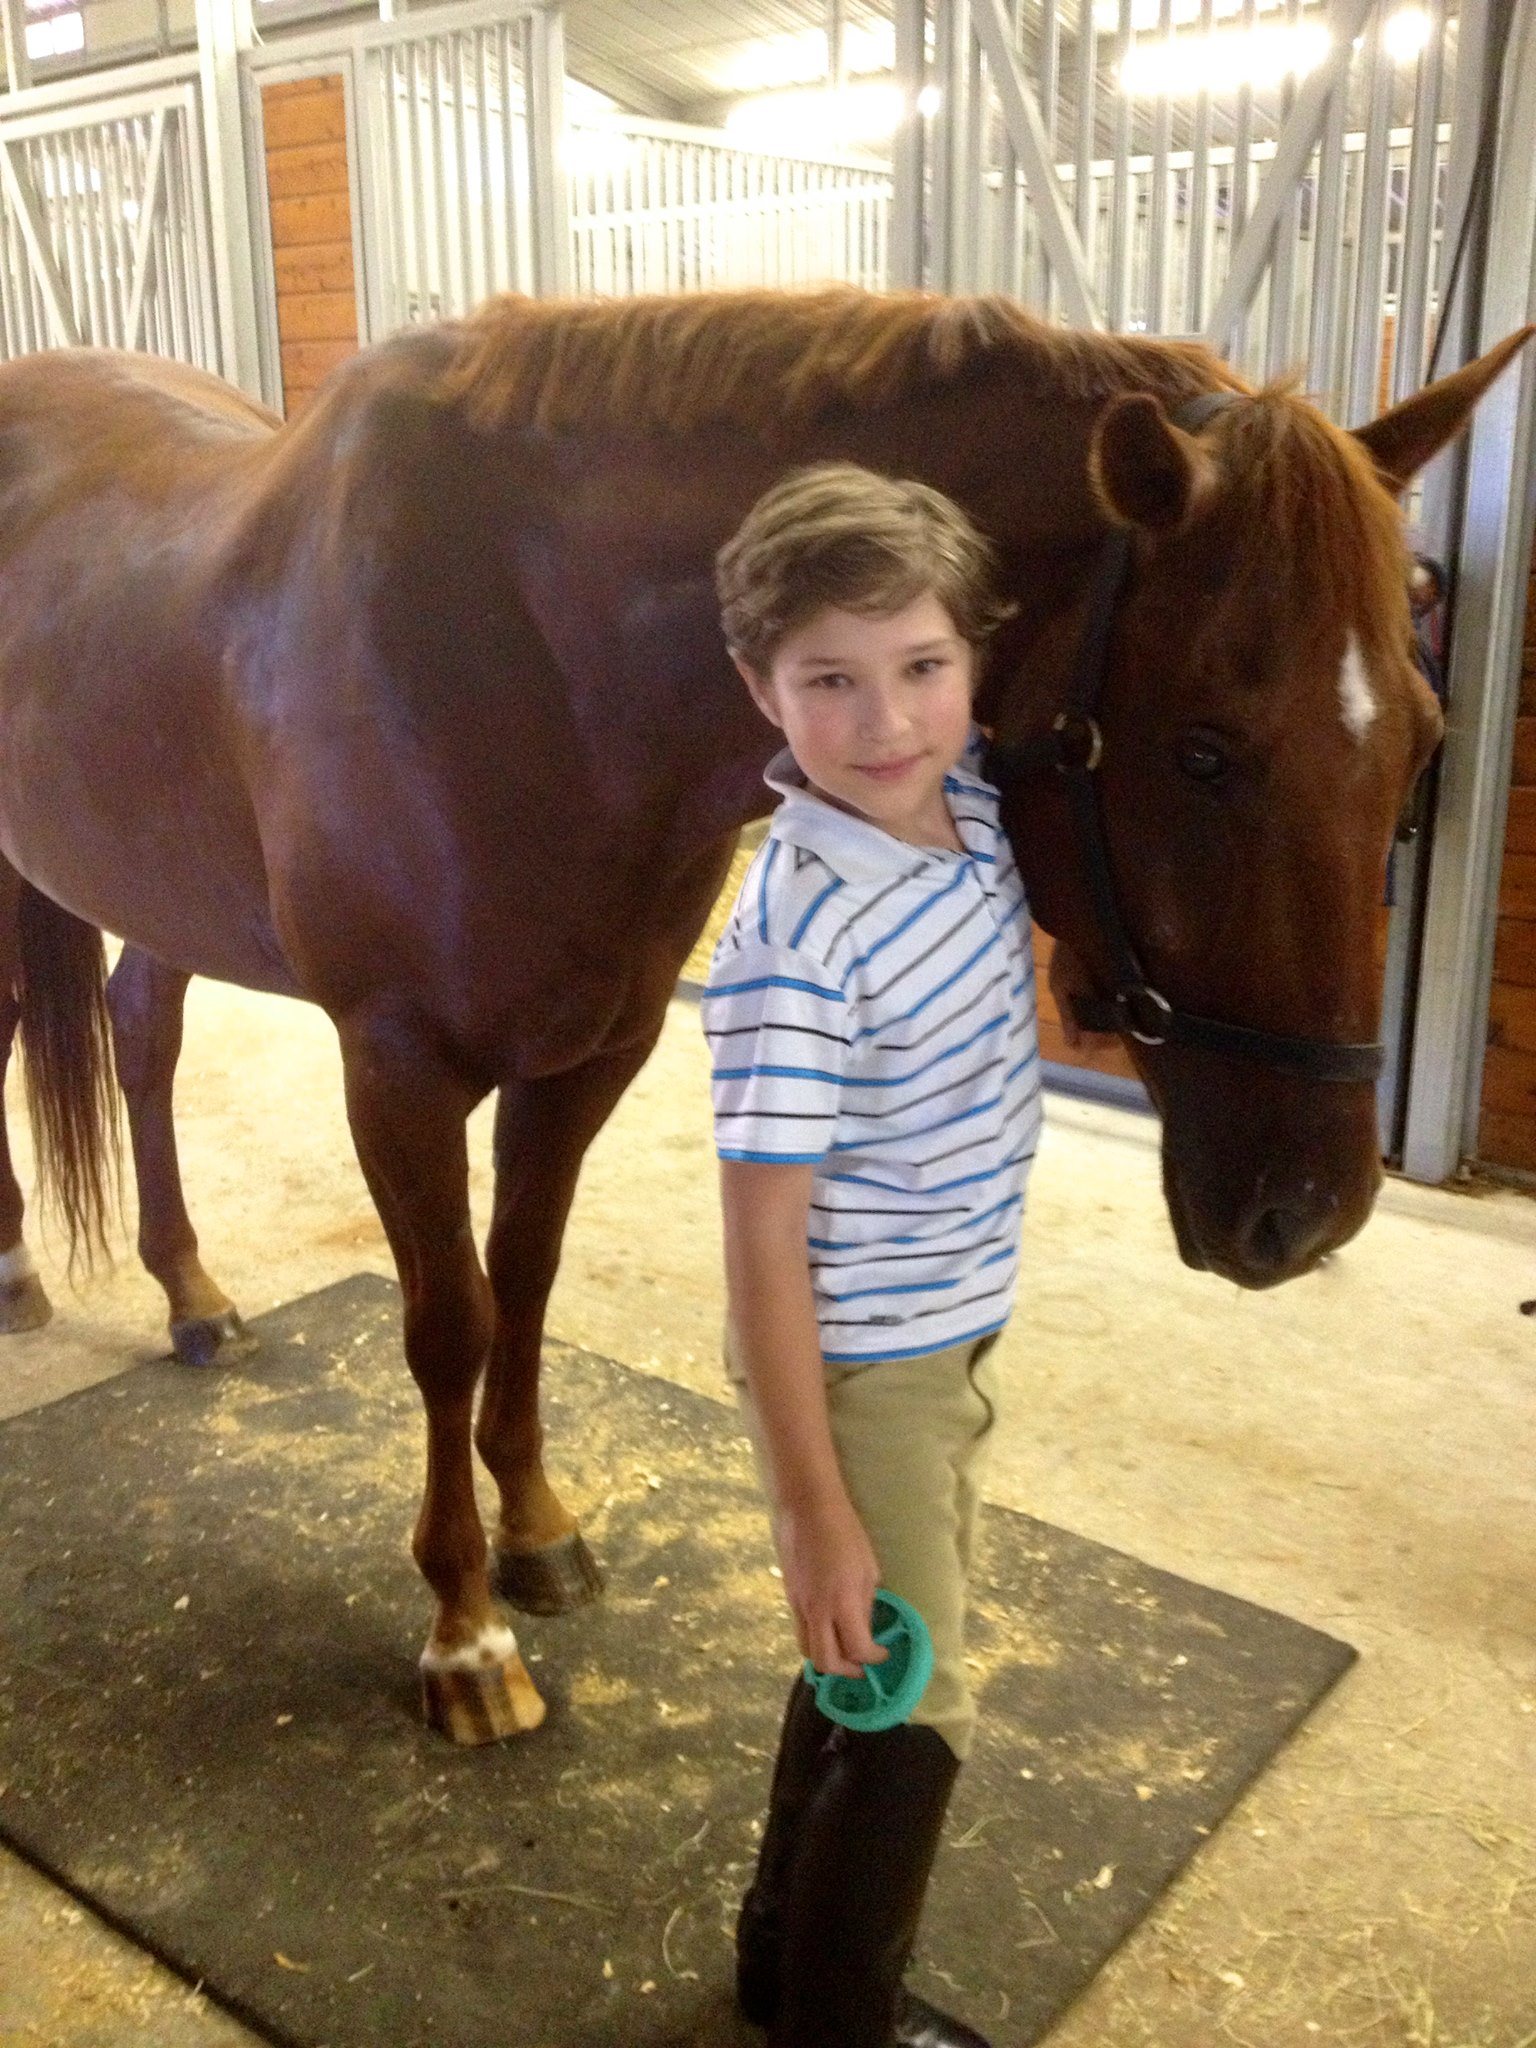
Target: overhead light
[
  {"x": 801, "y": 123},
  {"x": 1147, "y": 15},
  {"x": 801, "y": 58},
  {"x": 1179, "y": 67},
  {"x": 930, "y": 99},
  {"x": 594, "y": 149},
  {"x": 1406, "y": 33}
]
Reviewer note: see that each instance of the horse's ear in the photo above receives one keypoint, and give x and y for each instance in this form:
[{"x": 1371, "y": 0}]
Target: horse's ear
[
  {"x": 1146, "y": 472},
  {"x": 1404, "y": 439}
]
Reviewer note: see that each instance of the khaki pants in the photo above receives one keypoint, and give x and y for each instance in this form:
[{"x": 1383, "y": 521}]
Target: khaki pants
[{"x": 911, "y": 1436}]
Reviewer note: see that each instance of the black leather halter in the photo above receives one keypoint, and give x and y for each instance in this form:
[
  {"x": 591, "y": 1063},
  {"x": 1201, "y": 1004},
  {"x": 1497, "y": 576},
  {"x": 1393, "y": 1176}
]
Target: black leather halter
[{"x": 1074, "y": 748}]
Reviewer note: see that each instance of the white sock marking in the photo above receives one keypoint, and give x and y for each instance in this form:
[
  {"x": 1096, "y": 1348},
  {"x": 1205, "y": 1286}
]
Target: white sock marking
[
  {"x": 1357, "y": 699},
  {"x": 16, "y": 1265},
  {"x": 494, "y": 1645}
]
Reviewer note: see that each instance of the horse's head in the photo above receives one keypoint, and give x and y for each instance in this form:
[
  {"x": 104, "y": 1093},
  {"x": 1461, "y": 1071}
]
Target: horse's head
[{"x": 1260, "y": 721}]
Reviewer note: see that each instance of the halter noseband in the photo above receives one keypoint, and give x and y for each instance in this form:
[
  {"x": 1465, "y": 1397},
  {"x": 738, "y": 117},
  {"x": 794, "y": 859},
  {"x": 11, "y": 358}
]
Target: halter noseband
[{"x": 1074, "y": 748}]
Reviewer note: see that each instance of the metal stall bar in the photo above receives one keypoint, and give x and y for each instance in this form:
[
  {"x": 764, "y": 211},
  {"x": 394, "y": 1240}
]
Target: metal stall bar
[
  {"x": 224, "y": 32},
  {"x": 1021, "y": 114},
  {"x": 23, "y": 202},
  {"x": 1282, "y": 270},
  {"x": 1493, "y": 570},
  {"x": 1327, "y": 229},
  {"x": 1292, "y": 149},
  {"x": 1117, "y": 285},
  {"x": 1158, "y": 212},
  {"x": 544, "y": 95},
  {"x": 1419, "y": 223},
  {"x": 1371, "y": 247},
  {"x": 1197, "y": 274}
]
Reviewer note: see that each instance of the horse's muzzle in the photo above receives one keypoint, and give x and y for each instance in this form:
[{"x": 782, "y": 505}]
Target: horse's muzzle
[{"x": 1261, "y": 1229}]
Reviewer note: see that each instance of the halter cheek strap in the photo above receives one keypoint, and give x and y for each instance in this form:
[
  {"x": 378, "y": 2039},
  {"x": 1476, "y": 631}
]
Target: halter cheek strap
[{"x": 1074, "y": 749}]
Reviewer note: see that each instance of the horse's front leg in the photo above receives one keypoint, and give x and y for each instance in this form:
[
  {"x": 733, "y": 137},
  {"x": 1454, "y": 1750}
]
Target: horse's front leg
[
  {"x": 146, "y": 999},
  {"x": 408, "y": 1113},
  {"x": 23, "y": 1303},
  {"x": 543, "y": 1128}
]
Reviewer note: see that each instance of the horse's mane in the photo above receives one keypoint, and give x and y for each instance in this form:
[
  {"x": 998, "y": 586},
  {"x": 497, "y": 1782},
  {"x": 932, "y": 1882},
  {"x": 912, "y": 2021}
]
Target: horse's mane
[
  {"x": 766, "y": 361},
  {"x": 769, "y": 363}
]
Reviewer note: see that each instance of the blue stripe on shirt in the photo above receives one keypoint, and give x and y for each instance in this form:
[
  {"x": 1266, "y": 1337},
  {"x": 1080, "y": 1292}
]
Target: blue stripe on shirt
[
  {"x": 831, "y": 889},
  {"x": 741, "y": 988}
]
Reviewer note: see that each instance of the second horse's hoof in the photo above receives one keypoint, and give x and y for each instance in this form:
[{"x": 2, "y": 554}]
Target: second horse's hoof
[
  {"x": 198, "y": 1340},
  {"x": 481, "y": 1693},
  {"x": 23, "y": 1305},
  {"x": 554, "y": 1580}
]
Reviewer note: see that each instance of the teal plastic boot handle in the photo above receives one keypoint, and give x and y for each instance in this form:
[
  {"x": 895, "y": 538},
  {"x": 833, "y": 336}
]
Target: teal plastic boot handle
[{"x": 886, "y": 1694}]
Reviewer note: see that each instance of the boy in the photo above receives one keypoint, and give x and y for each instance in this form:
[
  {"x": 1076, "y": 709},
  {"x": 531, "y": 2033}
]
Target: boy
[{"x": 870, "y": 1013}]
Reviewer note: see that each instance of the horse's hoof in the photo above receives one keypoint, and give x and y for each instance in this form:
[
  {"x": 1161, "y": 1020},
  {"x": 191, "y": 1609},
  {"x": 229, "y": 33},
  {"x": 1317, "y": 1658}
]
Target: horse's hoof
[
  {"x": 477, "y": 1696},
  {"x": 23, "y": 1305},
  {"x": 554, "y": 1580},
  {"x": 198, "y": 1340}
]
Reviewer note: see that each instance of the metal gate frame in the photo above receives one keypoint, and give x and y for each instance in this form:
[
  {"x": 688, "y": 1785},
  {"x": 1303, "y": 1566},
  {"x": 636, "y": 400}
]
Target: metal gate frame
[
  {"x": 1487, "y": 506},
  {"x": 1478, "y": 502},
  {"x": 347, "y": 49},
  {"x": 111, "y": 262}
]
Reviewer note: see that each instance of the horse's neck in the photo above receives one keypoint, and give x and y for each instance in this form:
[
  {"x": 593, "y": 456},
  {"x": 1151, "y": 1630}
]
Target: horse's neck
[{"x": 1017, "y": 461}]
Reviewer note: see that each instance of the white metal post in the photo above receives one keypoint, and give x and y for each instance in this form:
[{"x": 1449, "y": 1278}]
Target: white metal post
[
  {"x": 1493, "y": 568},
  {"x": 18, "y": 64},
  {"x": 544, "y": 85},
  {"x": 908, "y": 177},
  {"x": 223, "y": 32},
  {"x": 1027, "y": 133}
]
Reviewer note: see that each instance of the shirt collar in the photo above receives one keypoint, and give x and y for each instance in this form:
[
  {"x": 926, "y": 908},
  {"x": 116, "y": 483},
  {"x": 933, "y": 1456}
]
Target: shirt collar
[{"x": 855, "y": 849}]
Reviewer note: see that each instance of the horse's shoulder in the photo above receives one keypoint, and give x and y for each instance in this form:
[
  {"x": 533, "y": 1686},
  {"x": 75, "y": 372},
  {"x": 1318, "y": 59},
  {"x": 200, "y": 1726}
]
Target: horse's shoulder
[{"x": 343, "y": 482}]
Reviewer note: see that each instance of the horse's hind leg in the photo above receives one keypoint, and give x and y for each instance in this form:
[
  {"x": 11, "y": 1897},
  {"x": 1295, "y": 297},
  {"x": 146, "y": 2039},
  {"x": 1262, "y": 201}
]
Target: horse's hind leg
[
  {"x": 146, "y": 998},
  {"x": 408, "y": 1113},
  {"x": 543, "y": 1128},
  {"x": 23, "y": 1304}
]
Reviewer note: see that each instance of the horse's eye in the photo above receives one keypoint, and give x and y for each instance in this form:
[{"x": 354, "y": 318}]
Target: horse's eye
[{"x": 1201, "y": 758}]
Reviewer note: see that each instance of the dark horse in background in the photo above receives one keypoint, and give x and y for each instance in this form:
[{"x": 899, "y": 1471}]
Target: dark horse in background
[{"x": 417, "y": 708}]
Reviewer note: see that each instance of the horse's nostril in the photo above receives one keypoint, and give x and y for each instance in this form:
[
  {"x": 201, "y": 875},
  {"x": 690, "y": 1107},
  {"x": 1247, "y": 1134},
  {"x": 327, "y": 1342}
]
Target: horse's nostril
[{"x": 1283, "y": 1240}]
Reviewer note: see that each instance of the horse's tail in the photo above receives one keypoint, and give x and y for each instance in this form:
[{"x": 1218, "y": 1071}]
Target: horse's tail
[{"x": 66, "y": 1040}]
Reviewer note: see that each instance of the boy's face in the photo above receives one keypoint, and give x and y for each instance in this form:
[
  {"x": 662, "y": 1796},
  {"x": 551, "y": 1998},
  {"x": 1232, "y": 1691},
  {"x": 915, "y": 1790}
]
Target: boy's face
[{"x": 875, "y": 710}]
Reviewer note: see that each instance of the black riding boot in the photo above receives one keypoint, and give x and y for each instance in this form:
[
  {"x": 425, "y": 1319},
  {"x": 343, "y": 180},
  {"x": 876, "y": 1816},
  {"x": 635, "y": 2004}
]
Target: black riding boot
[
  {"x": 760, "y": 1927},
  {"x": 865, "y": 1842}
]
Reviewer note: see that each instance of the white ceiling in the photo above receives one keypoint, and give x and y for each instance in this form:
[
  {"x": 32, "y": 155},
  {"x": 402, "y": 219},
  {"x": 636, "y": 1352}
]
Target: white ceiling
[{"x": 680, "y": 59}]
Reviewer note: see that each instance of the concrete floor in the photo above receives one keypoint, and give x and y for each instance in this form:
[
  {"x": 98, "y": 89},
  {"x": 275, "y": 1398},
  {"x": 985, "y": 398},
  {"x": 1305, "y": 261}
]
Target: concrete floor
[{"x": 1358, "y": 1450}]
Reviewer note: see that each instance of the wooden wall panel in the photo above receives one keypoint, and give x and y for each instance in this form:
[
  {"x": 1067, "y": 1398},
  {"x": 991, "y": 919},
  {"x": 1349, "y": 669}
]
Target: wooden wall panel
[
  {"x": 305, "y": 127},
  {"x": 1507, "y": 1122}
]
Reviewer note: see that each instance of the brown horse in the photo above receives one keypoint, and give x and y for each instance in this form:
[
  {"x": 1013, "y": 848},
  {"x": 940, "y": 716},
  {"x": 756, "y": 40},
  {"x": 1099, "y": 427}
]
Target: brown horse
[{"x": 417, "y": 708}]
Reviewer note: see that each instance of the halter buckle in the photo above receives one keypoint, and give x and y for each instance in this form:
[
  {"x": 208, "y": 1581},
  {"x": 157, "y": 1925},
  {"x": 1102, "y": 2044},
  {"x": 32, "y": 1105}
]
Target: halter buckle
[
  {"x": 1080, "y": 743},
  {"x": 1145, "y": 1014}
]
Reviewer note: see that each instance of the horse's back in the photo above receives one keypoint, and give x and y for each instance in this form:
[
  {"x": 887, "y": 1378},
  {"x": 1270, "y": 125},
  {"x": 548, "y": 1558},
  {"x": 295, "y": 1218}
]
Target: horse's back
[{"x": 121, "y": 794}]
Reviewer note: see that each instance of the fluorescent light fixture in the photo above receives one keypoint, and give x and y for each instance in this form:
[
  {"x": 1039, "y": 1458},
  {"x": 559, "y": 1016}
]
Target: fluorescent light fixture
[
  {"x": 1147, "y": 15},
  {"x": 801, "y": 123},
  {"x": 1406, "y": 33},
  {"x": 595, "y": 150},
  {"x": 1180, "y": 67},
  {"x": 801, "y": 58},
  {"x": 57, "y": 35}
]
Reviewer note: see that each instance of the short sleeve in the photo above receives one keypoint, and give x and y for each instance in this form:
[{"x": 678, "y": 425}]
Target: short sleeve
[{"x": 777, "y": 1026}]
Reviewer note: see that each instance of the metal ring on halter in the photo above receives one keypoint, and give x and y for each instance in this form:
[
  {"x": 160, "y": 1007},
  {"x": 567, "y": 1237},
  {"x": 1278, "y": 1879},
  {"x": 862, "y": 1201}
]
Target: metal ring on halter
[
  {"x": 1156, "y": 1012},
  {"x": 1080, "y": 725}
]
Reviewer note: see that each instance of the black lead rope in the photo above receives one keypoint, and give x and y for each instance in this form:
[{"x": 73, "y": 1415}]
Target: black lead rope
[{"x": 1074, "y": 748}]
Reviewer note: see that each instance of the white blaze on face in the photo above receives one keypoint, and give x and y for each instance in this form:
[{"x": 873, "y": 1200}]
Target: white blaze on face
[{"x": 1357, "y": 700}]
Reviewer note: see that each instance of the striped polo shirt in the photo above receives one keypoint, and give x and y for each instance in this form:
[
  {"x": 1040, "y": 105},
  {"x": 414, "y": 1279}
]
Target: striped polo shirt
[{"x": 871, "y": 1011}]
